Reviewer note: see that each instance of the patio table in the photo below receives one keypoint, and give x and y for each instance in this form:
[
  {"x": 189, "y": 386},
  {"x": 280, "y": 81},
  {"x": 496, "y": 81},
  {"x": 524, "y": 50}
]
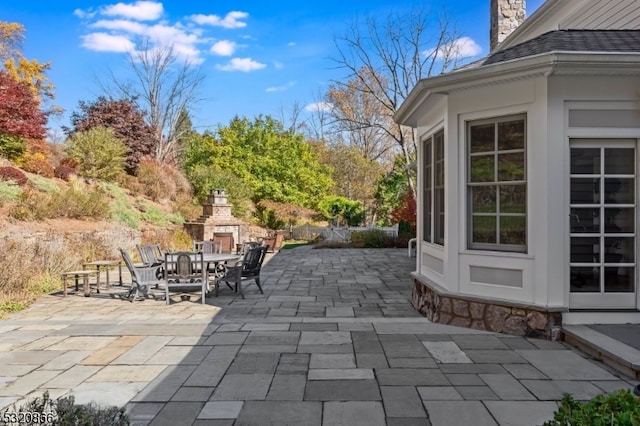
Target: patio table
[
  {"x": 106, "y": 265},
  {"x": 212, "y": 258}
]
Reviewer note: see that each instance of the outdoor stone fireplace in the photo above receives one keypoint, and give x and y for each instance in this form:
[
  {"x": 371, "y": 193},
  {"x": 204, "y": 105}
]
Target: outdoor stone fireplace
[{"x": 217, "y": 223}]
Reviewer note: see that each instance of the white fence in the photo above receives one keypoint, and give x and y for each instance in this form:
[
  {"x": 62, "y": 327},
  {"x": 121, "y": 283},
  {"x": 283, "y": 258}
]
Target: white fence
[{"x": 332, "y": 233}]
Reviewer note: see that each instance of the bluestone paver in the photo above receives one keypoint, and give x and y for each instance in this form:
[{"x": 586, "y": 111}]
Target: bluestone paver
[
  {"x": 459, "y": 413},
  {"x": 402, "y": 401},
  {"x": 333, "y": 340},
  {"x": 356, "y": 413},
  {"x": 521, "y": 413},
  {"x": 258, "y": 413},
  {"x": 287, "y": 387}
]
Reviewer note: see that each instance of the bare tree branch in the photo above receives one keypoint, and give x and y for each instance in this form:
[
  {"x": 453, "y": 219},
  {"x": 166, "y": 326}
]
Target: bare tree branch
[
  {"x": 383, "y": 62},
  {"x": 166, "y": 89}
]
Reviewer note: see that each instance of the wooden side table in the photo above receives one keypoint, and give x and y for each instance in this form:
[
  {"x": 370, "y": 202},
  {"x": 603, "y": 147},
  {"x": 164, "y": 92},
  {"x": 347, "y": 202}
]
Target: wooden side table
[
  {"x": 85, "y": 281},
  {"x": 106, "y": 265}
]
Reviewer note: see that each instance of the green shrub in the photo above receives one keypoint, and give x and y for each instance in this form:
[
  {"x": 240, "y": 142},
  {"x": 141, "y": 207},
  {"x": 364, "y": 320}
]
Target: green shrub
[
  {"x": 342, "y": 210},
  {"x": 64, "y": 411},
  {"x": 9, "y": 191},
  {"x": 120, "y": 210},
  {"x": 373, "y": 238},
  {"x": 153, "y": 215},
  {"x": 620, "y": 408},
  {"x": 123, "y": 213},
  {"x": 43, "y": 184},
  {"x": 268, "y": 218},
  {"x": 99, "y": 153},
  {"x": 12, "y": 147}
]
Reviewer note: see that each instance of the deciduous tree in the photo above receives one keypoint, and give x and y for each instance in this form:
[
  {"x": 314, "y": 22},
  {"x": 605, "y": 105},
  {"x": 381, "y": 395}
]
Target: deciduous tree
[
  {"x": 126, "y": 121},
  {"x": 166, "y": 88},
  {"x": 355, "y": 177},
  {"x": 384, "y": 59},
  {"x": 274, "y": 163},
  {"x": 20, "y": 114},
  {"x": 359, "y": 118},
  {"x": 29, "y": 71}
]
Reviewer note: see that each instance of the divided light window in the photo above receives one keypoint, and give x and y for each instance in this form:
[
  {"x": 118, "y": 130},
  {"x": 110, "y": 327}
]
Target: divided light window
[
  {"x": 497, "y": 184},
  {"x": 433, "y": 207}
]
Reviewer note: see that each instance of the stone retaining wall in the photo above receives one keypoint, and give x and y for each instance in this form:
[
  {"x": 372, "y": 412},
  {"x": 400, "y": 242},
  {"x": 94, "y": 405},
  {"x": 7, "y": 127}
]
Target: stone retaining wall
[{"x": 485, "y": 314}]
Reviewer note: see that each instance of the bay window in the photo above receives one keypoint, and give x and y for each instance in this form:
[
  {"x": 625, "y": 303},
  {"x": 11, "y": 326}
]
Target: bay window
[
  {"x": 497, "y": 184},
  {"x": 433, "y": 219}
]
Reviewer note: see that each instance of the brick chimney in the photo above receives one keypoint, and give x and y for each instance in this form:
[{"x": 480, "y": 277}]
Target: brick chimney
[{"x": 506, "y": 15}]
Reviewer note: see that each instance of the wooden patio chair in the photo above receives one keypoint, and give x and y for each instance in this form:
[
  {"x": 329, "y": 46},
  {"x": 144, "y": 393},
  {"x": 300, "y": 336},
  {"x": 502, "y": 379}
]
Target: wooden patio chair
[
  {"x": 150, "y": 254},
  {"x": 184, "y": 272},
  {"x": 208, "y": 246},
  {"x": 246, "y": 269},
  {"x": 247, "y": 245},
  {"x": 142, "y": 277}
]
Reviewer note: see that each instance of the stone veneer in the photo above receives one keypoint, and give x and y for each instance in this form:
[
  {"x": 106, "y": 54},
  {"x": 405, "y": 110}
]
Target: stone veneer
[
  {"x": 485, "y": 314},
  {"x": 216, "y": 218},
  {"x": 506, "y": 16}
]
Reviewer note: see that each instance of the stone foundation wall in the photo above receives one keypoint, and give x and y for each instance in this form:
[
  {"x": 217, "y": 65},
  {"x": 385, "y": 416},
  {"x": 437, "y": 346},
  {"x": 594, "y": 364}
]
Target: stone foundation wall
[{"x": 485, "y": 314}]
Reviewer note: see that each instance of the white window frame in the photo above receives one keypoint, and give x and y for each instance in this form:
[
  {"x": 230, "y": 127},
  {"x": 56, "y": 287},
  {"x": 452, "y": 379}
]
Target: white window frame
[
  {"x": 433, "y": 206},
  {"x": 497, "y": 246}
]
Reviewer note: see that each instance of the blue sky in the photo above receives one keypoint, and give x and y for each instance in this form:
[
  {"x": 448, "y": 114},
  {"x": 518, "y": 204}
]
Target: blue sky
[{"x": 258, "y": 57}]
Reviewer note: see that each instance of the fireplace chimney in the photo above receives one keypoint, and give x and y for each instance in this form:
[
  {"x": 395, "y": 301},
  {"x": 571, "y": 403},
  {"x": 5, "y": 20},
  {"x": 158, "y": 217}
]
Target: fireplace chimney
[{"x": 506, "y": 16}]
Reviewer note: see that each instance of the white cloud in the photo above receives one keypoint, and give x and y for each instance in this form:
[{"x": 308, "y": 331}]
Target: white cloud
[
  {"x": 281, "y": 88},
  {"x": 463, "y": 47},
  {"x": 140, "y": 10},
  {"x": 318, "y": 106},
  {"x": 120, "y": 25},
  {"x": 183, "y": 43},
  {"x": 231, "y": 20},
  {"x": 241, "y": 64},
  {"x": 223, "y": 48},
  {"x": 291, "y": 43},
  {"x": 188, "y": 52},
  {"x": 166, "y": 35},
  {"x": 466, "y": 47},
  {"x": 104, "y": 42},
  {"x": 84, "y": 14}
]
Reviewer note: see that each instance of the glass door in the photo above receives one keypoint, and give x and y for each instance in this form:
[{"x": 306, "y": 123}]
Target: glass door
[{"x": 603, "y": 224}]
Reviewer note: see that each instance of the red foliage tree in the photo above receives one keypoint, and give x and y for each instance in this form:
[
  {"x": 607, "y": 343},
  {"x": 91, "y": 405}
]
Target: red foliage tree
[
  {"x": 406, "y": 211},
  {"x": 20, "y": 113},
  {"x": 126, "y": 120}
]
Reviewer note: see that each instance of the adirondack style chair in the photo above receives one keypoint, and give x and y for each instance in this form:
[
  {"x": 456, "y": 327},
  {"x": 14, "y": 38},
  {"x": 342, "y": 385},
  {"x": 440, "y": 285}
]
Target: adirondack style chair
[{"x": 142, "y": 277}]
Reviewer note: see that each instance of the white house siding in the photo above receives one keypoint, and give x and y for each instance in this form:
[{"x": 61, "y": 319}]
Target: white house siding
[{"x": 610, "y": 14}]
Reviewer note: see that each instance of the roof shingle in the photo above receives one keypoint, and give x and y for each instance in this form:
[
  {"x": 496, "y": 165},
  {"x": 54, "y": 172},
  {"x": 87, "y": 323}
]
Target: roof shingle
[{"x": 571, "y": 41}]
